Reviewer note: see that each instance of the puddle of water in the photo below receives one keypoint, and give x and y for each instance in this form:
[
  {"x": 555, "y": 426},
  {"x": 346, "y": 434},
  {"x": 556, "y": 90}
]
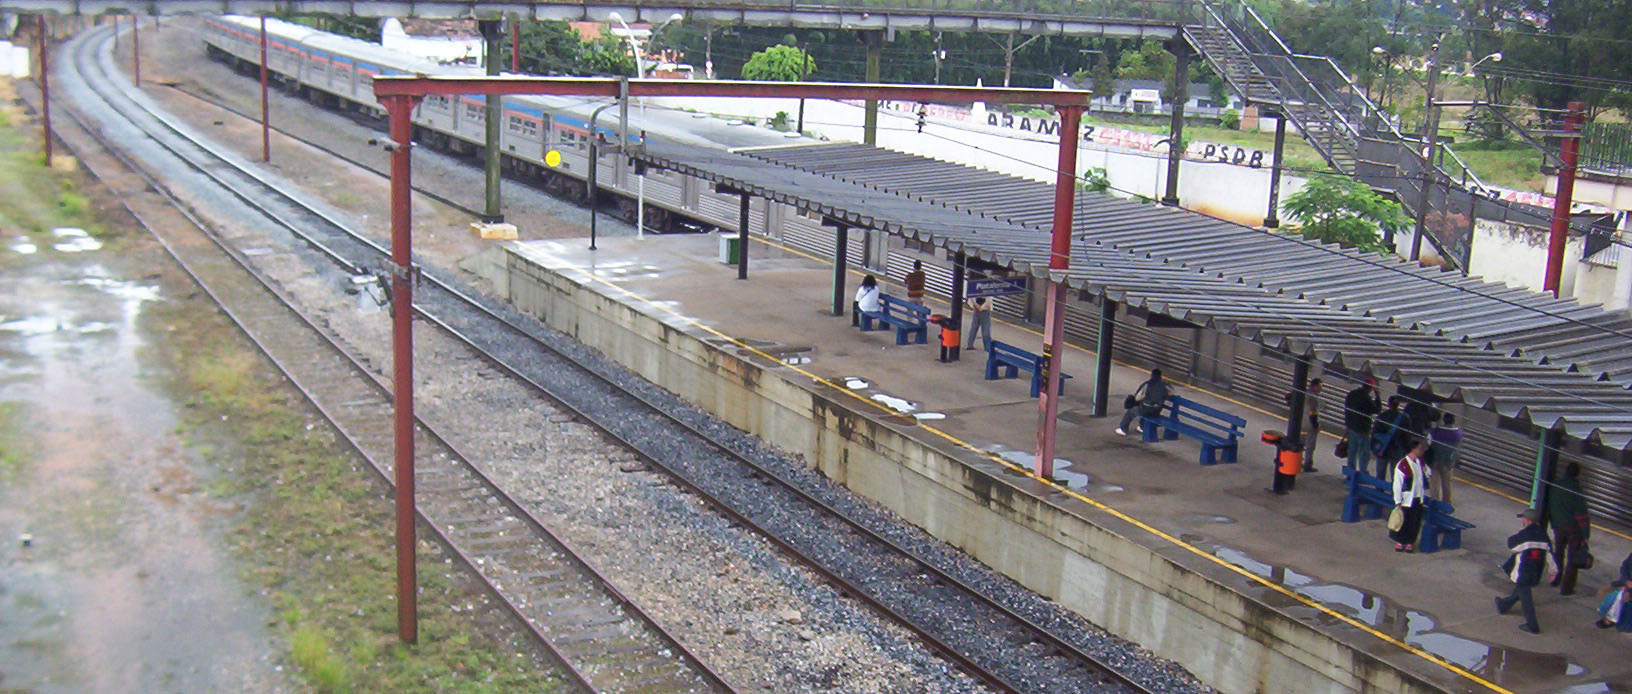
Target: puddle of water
[
  {"x": 921, "y": 416},
  {"x": 1063, "y": 472},
  {"x": 1411, "y": 626},
  {"x": 895, "y": 403},
  {"x": 25, "y": 248},
  {"x": 795, "y": 360},
  {"x": 855, "y": 383},
  {"x": 74, "y": 240},
  {"x": 33, "y": 325}
]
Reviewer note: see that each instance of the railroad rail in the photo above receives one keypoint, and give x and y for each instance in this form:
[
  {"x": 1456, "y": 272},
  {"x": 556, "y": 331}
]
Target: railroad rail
[
  {"x": 602, "y": 639},
  {"x": 909, "y": 589}
]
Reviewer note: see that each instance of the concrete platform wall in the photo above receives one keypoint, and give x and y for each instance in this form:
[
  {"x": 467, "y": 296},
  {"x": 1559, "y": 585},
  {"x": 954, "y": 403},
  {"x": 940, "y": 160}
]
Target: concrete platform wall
[{"x": 1091, "y": 562}]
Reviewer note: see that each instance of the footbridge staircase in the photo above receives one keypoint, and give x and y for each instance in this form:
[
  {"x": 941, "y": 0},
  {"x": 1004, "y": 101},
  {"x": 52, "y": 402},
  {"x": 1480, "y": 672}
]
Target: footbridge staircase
[{"x": 1353, "y": 135}]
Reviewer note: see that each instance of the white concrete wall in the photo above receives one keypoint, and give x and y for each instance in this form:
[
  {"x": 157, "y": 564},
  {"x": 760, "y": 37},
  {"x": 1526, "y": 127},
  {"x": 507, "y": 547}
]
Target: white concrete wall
[
  {"x": 1237, "y": 193},
  {"x": 1517, "y": 256}
]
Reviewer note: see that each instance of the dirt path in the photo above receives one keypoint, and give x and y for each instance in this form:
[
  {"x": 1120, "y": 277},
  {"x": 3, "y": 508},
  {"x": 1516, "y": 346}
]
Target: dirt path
[{"x": 124, "y": 586}]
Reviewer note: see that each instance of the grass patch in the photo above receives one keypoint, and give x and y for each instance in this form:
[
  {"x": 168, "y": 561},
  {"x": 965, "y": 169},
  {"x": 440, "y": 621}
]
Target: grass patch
[
  {"x": 32, "y": 197},
  {"x": 1507, "y": 164},
  {"x": 315, "y": 532},
  {"x": 16, "y": 446}
]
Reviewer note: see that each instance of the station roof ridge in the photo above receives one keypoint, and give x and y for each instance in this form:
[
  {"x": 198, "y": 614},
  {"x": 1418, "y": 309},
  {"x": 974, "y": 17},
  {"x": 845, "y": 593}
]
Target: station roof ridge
[
  {"x": 1562, "y": 332},
  {"x": 1517, "y": 388}
]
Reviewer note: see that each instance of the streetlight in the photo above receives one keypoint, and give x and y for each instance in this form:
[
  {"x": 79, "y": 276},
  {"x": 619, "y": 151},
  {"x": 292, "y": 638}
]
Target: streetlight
[
  {"x": 634, "y": 43},
  {"x": 640, "y": 72}
]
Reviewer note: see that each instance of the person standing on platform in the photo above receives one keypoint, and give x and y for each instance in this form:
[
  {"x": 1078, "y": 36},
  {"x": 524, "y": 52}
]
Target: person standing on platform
[
  {"x": 980, "y": 322},
  {"x": 1391, "y": 435},
  {"x": 915, "y": 283},
  {"x": 1411, "y": 495},
  {"x": 1359, "y": 407},
  {"x": 866, "y": 299},
  {"x": 1147, "y": 400},
  {"x": 1443, "y": 443},
  {"x": 1567, "y": 513},
  {"x": 1311, "y": 427},
  {"x": 1527, "y": 563}
]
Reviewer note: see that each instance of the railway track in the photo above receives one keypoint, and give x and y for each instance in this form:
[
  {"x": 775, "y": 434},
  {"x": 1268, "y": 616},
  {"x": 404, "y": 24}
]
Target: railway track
[
  {"x": 714, "y": 463},
  {"x": 602, "y": 640}
]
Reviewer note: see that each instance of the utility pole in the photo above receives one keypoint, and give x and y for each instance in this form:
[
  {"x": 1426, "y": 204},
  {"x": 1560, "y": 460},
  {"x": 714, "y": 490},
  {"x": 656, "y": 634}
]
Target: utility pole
[
  {"x": 939, "y": 55},
  {"x": 1570, "y": 147},
  {"x": 874, "y": 39},
  {"x": 1430, "y": 132},
  {"x": 490, "y": 150}
]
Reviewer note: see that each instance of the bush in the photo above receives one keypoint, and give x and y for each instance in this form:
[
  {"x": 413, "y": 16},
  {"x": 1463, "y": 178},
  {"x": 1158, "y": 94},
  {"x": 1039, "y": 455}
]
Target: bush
[
  {"x": 1230, "y": 119},
  {"x": 780, "y": 120}
]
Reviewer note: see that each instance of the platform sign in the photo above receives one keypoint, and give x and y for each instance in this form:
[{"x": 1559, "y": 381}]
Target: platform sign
[{"x": 994, "y": 286}]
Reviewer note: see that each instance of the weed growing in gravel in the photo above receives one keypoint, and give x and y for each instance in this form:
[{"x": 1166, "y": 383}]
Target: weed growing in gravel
[
  {"x": 315, "y": 532},
  {"x": 33, "y": 198}
]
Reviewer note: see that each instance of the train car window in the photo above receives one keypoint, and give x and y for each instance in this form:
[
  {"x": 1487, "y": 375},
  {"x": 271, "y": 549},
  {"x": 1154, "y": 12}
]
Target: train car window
[
  {"x": 437, "y": 102},
  {"x": 475, "y": 113},
  {"x": 515, "y": 123}
]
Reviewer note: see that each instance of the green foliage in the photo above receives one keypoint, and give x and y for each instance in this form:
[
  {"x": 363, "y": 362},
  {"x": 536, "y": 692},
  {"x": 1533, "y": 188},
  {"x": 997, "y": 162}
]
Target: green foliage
[
  {"x": 555, "y": 48},
  {"x": 1229, "y": 119},
  {"x": 1341, "y": 210},
  {"x": 607, "y": 55},
  {"x": 780, "y": 120},
  {"x": 1104, "y": 81},
  {"x": 1095, "y": 180},
  {"x": 779, "y": 63}
]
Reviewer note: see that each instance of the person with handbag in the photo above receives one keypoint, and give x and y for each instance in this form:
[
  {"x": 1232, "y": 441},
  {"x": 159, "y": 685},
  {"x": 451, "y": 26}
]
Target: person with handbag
[
  {"x": 1410, "y": 498},
  {"x": 1146, "y": 401},
  {"x": 1528, "y": 562},
  {"x": 1567, "y": 513},
  {"x": 1612, "y": 610}
]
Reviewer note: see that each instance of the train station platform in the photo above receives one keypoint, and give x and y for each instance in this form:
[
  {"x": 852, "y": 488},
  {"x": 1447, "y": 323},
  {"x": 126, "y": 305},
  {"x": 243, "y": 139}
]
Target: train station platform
[{"x": 1323, "y": 605}]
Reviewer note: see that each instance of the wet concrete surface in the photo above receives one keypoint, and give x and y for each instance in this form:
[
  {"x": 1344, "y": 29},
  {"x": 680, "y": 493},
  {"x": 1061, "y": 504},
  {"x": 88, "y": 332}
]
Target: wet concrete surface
[{"x": 123, "y": 585}]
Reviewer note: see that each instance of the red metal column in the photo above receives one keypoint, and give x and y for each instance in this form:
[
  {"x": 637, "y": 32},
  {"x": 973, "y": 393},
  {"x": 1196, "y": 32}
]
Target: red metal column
[
  {"x": 515, "y": 45},
  {"x": 402, "y": 351},
  {"x": 266, "y": 124},
  {"x": 1560, "y": 235},
  {"x": 1059, "y": 260},
  {"x": 136, "y": 48},
  {"x": 45, "y": 84}
]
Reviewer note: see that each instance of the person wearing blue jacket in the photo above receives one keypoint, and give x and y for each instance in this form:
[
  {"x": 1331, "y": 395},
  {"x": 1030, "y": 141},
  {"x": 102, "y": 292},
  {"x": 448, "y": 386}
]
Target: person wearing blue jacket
[
  {"x": 1612, "y": 610},
  {"x": 1528, "y": 562}
]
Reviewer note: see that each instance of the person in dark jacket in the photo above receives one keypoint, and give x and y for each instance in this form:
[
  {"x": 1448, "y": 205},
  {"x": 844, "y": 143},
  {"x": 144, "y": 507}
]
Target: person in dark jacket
[
  {"x": 1359, "y": 406},
  {"x": 1612, "y": 610},
  {"x": 1147, "y": 401},
  {"x": 1391, "y": 437},
  {"x": 1567, "y": 513},
  {"x": 1527, "y": 563}
]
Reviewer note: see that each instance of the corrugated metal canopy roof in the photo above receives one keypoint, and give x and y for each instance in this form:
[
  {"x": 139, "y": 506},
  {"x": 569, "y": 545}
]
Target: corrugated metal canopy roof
[
  {"x": 1559, "y": 331},
  {"x": 1337, "y": 335}
]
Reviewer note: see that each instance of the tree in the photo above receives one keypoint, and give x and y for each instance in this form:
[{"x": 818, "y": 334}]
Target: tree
[
  {"x": 779, "y": 63},
  {"x": 1344, "y": 211},
  {"x": 607, "y": 55},
  {"x": 1104, "y": 81}
]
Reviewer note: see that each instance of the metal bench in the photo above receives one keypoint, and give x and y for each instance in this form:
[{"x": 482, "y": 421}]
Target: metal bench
[
  {"x": 1217, "y": 430},
  {"x": 1368, "y": 496},
  {"x": 908, "y": 319},
  {"x": 1440, "y": 529},
  {"x": 1004, "y": 360}
]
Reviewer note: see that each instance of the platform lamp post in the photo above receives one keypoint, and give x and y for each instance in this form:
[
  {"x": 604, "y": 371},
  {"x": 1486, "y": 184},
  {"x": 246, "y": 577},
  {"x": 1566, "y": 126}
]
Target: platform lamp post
[
  {"x": 266, "y": 122},
  {"x": 634, "y": 45}
]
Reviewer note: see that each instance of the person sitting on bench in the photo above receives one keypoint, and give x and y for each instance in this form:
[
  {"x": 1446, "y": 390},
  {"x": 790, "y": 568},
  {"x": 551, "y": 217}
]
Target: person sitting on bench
[
  {"x": 1147, "y": 401},
  {"x": 866, "y": 299}
]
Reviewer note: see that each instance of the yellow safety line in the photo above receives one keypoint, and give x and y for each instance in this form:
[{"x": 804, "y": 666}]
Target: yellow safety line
[
  {"x": 1189, "y": 384},
  {"x": 1425, "y": 655}
]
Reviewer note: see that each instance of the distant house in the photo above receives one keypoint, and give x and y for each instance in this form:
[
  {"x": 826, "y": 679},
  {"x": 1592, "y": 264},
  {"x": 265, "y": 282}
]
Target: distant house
[
  {"x": 1145, "y": 96},
  {"x": 445, "y": 41}
]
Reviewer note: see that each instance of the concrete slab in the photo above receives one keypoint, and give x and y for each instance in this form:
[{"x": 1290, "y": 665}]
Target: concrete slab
[{"x": 1429, "y": 614}]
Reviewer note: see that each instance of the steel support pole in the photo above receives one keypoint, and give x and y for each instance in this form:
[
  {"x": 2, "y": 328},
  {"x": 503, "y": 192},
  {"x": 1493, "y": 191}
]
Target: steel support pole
[
  {"x": 875, "y": 52},
  {"x": 136, "y": 49},
  {"x": 1175, "y": 146},
  {"x": 1300, "y": 387},
  {"x": 515, "y": 45},
  {"x": 1430, "y": 133},
  {"x": 402, "y": 359},
  {"x": 960, "y": 272},
  {"x": 266, "y": 122},
  {"x": 1272, "y": 218},
  {"x": 742, "y": 236},
  {"x": 1102, "y": 356},
  {"x": 494, "y": 112},
  {"x": 1059, "y": 260},
  {"x": 841, "y": 251},
  {"x": 1547, "y": 444},
  {"x": 1560, "y": 234},
  {"x": 45, "y": 84}
]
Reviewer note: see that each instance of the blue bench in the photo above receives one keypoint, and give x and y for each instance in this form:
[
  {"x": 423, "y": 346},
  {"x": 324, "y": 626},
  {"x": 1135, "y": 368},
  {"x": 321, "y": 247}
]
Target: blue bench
[
  {"x": 1004, "y": 360},
  {"x": 1217, "y": 430},
  {"x": 1370, "y": 497},
  {"x": 908, "y": 319},
  {"x": 1440, "y": 529}
]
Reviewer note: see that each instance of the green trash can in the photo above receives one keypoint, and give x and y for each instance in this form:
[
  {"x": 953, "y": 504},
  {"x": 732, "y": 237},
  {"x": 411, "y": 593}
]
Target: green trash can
[{"x": 730, "y": 248}]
